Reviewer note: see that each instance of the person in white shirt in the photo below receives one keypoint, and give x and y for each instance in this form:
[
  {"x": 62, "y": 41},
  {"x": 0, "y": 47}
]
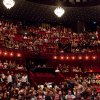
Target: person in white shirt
[
  {"x": 3, "y": 76},
  {"x": 24, "y": 80},
  {"x": 9, "y": 80}
]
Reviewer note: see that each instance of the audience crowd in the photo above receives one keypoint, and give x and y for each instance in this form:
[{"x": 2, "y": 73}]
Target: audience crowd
[
  {"x": 8, "y": 64},
  {"x": 64, "y": 68},
  {"x": 17, "y": 87},
  {"x": 72, "y": 68},
  {"x": 68, "y": 68},
  {"x": 46, "y": 39}
]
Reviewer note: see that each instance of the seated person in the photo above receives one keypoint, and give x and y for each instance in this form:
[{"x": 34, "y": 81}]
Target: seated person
[
  {"x": 20, "y": 67},
  {"x": 5, "y": 64}
]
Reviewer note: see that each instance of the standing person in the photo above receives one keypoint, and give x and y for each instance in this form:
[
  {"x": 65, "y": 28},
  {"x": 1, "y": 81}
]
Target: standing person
[
  {"x": 49, "y": 96},
  {"x": 60, "y": 95},
  {"x": 14, "y": 79},
  {"x": 57, "y": 96},
  {"x": 80, "y": 88},
  {"x": 9, "y": 81},
  {"x": 69, "y": 96},
  {"x": 1, "y": 92},
  {"x": 24, "y": 80}
]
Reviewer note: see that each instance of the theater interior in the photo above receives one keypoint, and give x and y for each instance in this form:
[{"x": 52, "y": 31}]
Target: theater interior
[{"x": 49, "y": 49}]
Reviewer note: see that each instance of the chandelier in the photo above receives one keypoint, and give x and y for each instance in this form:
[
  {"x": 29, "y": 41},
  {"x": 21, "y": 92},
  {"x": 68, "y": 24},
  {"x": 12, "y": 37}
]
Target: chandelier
[
  {"x": 8, "y": 3},
  {"x": 59, "y": 11}
]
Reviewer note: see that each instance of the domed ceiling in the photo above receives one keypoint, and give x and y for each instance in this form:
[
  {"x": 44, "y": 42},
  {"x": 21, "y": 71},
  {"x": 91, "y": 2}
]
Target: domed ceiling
[{"x": 43, "y": 11}]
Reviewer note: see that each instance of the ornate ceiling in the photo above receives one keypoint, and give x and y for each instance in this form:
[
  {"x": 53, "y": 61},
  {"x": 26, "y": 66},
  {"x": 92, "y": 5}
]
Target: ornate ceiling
[
  {"x": 38, "y": 12},
  {"x": 68, "y": 3}
]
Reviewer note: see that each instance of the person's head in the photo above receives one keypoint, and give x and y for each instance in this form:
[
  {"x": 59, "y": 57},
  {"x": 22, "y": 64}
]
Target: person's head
[
  {"x": 50, "y": 92},
  {"x": 8, "y": 72},
  {"x": 69, "y": 92},
  {"x": 60, "y": 92},
  {"x": 12, "y": 73}
]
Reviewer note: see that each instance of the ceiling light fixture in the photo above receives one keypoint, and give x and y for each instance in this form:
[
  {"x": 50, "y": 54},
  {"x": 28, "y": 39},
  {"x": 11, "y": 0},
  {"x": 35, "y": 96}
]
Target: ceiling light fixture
[
  {"x": 59, "y": 11},
  {"x": 8, "y": 3}
]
